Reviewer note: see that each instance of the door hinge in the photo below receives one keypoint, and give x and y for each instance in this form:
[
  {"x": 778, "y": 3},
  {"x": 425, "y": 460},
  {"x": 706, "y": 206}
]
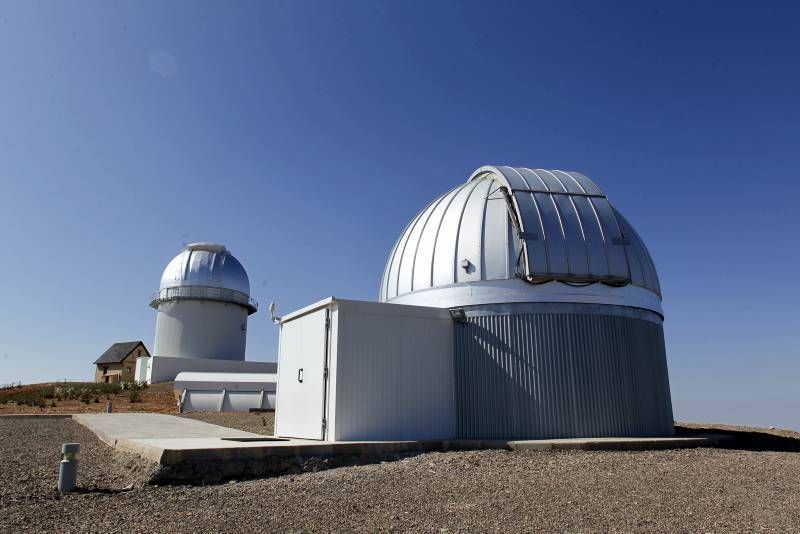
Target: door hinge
[
  {"x": 325, "y": 373},
  {"x": 324, "y": 424}
]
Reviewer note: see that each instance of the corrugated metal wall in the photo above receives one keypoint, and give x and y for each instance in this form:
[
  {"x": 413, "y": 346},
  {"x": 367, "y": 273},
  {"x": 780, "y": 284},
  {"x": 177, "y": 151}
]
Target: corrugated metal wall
[{"x": 561, "y": 371}]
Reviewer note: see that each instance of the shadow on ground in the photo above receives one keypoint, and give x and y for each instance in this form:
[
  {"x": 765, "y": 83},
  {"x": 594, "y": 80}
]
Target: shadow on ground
[{"x": 746, "y": 439}]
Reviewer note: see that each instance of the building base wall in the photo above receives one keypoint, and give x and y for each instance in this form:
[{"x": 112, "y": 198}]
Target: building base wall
[
  {"x": 165, "y": 369},
  {"x": 557, "y": 370},
  {"x": 201, "y": 329}
]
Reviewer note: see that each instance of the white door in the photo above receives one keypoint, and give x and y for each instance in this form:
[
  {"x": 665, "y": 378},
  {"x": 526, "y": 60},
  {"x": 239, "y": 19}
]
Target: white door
[{"x": 300, "y": 408}]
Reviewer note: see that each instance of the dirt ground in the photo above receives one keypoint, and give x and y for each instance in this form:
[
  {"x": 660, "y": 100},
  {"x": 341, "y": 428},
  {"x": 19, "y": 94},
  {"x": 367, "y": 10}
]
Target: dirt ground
[
  {"x": 257, "y": 423},
  {"x": 695, "y": 489},
  {"x": 157, "y": 398}
]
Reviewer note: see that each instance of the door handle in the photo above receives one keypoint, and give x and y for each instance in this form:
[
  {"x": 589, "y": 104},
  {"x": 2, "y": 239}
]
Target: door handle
[{"x": 300, "y": 375}]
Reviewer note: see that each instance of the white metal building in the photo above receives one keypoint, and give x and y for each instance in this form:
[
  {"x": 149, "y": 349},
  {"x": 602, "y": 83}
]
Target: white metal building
[
  {"x": 225, "y": 392},
  {"x": 353, "y": 370},
  {"x": 557, "y": 328},
  {"x": 203, "y": 303}
]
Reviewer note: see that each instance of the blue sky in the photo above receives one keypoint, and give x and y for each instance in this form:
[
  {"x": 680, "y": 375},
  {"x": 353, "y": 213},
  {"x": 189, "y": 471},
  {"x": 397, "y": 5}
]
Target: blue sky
[{"x": 305, "y": 135}]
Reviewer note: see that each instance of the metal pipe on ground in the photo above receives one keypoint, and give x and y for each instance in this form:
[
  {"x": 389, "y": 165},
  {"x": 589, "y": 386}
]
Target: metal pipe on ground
[{"x": 68, "y": 469}]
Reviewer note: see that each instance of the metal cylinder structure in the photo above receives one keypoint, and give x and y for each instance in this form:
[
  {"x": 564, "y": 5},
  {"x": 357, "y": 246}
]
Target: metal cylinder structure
[
  {"x": 68, "y": 468},
  {"x": 557, "y": 306},
  {"x": 203, "y": 304}
]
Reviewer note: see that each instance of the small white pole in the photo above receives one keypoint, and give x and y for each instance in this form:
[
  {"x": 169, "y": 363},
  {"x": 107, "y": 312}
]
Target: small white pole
[{"x": 68, "y": 469}]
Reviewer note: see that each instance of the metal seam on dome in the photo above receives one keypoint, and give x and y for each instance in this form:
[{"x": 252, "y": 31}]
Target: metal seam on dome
[
  {"x": 583, "y": 236},
  {"x": 583, "y": 189},
  {"x": 563, "y": 233},
  {"x": 544, "y": 236},
  {"x": 407, "y": 236},
  {"x": 483, "y": 232},
  {"x": 435, "y": 205},
  {"x": 652, "y": 265},
  {"x": 533, "y": 172},
  {"x": 455, "y": 191},
  {"x": 580, "y": 225},
  {"x": 559, "y": 217},
  {"x": 544, "y": 183},
  {"x": 621, "y": 233},
  {"x": 648, "y": 276},
  {"x": 566, "y": 191},
  {"x": 545, "y": 246},
  {"x": 186, "y": 262},
  {"x": 523, "y": 178},
  {"x": 458, "y": 227},
  {"x": 516, "y": 227},
  {"x": 602, "y": 235},
  {"x": 528, "y": 261},
  {"x": 519, "y": 220},
  {"x": 390, "y": 262}
]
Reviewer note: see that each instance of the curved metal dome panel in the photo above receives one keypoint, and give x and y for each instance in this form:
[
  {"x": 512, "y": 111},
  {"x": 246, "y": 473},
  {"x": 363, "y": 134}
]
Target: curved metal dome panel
[
  {"x": 206, "y": 265},
  {"x": 506, "y": 223}
]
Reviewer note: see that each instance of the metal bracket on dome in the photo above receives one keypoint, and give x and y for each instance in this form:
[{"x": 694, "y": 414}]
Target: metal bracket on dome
[{"x": 513, "y": 214}]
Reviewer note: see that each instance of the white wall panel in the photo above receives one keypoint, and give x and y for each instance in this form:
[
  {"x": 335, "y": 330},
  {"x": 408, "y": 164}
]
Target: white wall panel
[
  {"x": 390, "y": 373},
  {"x": 301, "y": 385}
]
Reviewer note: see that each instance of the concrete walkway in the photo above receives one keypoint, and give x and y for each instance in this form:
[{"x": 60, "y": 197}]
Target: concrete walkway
[
  {"x": 154, "y": 425},
  {"x": 188, "y": 450}
]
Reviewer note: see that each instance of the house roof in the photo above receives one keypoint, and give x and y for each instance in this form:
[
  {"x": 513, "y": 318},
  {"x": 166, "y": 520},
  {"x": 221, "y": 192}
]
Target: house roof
[{"x": 118, "y": 351}]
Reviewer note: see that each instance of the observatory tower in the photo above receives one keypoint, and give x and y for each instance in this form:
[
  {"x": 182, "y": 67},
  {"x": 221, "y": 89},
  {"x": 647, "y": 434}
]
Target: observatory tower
[
  {"x": 557, "y": 302},
  {"x": 203, "y": 303}
]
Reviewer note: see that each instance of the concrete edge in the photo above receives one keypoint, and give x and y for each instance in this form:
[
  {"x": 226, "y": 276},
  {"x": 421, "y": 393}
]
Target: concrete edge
[
  {"x": 360, "y": 449},
  {"x": 624, "y": 444},
  {"x": 35, "y": 416},
  {"x": 146, "y": 451}
]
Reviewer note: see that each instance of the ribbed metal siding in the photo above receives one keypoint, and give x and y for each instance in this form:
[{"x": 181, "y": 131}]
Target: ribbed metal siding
[{"x": 560, "y": 375}]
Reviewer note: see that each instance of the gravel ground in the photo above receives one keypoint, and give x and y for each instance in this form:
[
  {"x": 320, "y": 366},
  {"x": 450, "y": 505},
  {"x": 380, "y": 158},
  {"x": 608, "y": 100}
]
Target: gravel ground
[
  {"x": 257, "y": 423},
  {"x": 698, "y": 489}
]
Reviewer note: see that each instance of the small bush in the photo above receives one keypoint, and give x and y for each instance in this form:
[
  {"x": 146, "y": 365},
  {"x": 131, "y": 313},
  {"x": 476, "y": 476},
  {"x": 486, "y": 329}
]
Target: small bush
[
  {"x": 35, "y": 395},
  {"x": 134, "y": 392}
]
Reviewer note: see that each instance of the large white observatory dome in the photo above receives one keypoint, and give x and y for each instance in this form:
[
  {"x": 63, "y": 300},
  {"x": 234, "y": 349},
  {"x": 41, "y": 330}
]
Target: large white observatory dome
[
  {"x": 508, "y": 231},
  {"x": 559, "y": 326}
]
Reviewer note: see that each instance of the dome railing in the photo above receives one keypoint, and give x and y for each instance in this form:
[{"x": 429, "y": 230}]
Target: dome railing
[{"x": 220, "y": 294}]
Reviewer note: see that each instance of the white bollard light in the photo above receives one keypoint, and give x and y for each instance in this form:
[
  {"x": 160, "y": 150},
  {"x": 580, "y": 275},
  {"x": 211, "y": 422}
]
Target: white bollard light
[{"x": 68, "y": 469}]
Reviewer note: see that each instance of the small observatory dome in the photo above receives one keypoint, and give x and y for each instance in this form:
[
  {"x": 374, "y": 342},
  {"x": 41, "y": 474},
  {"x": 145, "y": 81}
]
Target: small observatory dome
[
  {"x": 203, "y": 302},
  {"x": 557, "y": 302},
  {"x": 206, "y": 265}
]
